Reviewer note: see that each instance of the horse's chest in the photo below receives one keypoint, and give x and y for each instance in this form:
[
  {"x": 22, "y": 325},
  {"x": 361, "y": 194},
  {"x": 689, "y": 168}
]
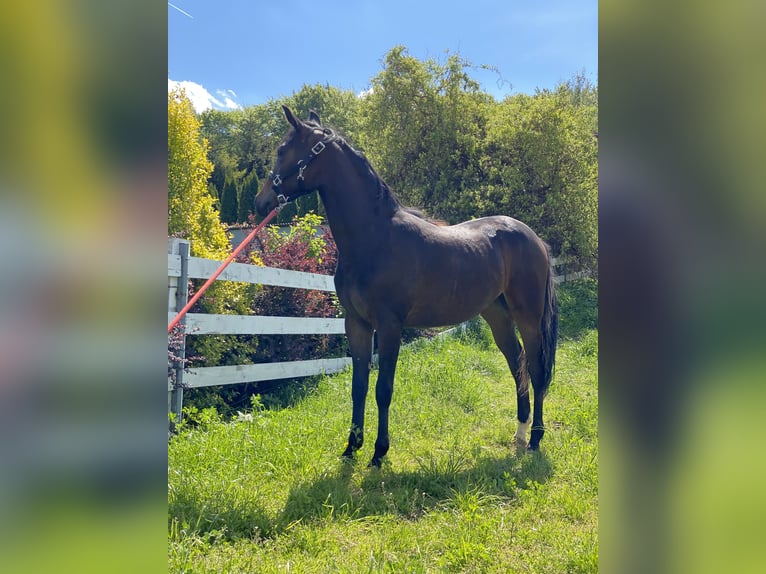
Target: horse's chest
[
  {"x": 362, "y": 292},
  {"x": 348, "y": 286}
]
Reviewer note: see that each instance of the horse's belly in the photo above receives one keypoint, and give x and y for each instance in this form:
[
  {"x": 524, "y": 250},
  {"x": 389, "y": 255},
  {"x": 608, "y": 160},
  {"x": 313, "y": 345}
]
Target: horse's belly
[{"x": 451, "y": 306}]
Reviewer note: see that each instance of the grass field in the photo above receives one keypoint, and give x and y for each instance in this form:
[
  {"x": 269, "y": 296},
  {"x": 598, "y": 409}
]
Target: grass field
[{"x": 453, "y": 495}]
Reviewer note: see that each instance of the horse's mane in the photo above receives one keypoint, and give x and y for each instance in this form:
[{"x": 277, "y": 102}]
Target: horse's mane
[{"x": 384, "y": 195}]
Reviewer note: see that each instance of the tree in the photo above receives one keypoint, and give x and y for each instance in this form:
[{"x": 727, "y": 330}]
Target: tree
[
  {"x": 442, "y": 144},
  {"x": 423, "y": 127},
  {"x": 191, "y": 213},
  {"x": 254, "y": 137},
  {"x": 190, "y": 206},
  {"x": 229, "y": 202},
  {"x": 337, "y": 108},
  {"x": 247, "y": 192},
  {"x": 540, "y": 166}
]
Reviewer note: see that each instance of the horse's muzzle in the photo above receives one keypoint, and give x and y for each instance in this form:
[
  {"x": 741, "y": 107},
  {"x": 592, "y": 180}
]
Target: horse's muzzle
[{"x": 266, "y": 200}]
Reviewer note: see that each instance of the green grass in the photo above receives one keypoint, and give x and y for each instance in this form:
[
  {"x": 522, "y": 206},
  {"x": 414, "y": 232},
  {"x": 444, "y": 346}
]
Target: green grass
[{"x": 454, "y": 494}]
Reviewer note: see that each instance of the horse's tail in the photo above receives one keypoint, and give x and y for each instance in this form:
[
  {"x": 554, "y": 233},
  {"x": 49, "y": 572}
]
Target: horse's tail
[{"x": 549, "y": 327}]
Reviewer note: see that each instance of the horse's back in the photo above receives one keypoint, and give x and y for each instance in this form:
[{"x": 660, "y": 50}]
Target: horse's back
[
  {"x": 430, "y": 275},
  {"x": 516, "y": 230},
  {"x": 457, "y": 271}
]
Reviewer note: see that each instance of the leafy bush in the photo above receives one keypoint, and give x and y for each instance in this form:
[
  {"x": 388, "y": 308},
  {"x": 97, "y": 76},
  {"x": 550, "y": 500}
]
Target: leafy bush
[
  {"x": 307, "y": 247},
  {"x": 578, "y": 307}
]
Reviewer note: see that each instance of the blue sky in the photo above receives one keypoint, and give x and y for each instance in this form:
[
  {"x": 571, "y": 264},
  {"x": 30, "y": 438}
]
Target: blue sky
[{"x": 230, "y": 53}]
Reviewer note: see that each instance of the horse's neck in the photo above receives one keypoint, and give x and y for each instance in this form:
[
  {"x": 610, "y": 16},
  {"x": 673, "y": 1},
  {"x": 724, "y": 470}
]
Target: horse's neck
[{"x": 355, "y": 213}]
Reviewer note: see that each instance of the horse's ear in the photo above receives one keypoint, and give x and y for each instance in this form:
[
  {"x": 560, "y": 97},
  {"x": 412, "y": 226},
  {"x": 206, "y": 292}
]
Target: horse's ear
[
  {"x": 314, "y": 117},
  {"x": 291, "y": 118}
]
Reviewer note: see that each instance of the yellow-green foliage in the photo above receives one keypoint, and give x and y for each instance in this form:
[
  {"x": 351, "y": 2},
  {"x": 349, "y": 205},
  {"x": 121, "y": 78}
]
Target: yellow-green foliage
[{"x": 190, "y": 206}]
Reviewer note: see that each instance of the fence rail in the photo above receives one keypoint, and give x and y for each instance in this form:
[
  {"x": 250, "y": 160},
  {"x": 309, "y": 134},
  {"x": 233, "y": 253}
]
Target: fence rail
[
  {"x": 182, "y": 267},
  {"x": 234, "y": 374},
  {"x": 562, "y": 274},
  {"x": 204, "y": 324}
]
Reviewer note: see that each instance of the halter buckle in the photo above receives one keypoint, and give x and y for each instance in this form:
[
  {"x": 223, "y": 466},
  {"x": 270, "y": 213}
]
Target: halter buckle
[
  {"x": 276, "y": 180},
  {"x": 282, "y": 200},
  {"x": 318, "y": 148}
]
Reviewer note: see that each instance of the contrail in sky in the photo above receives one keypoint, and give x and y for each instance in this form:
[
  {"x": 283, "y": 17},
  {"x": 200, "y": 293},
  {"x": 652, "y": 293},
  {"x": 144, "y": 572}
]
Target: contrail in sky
[{"x": 181, "y": 11}]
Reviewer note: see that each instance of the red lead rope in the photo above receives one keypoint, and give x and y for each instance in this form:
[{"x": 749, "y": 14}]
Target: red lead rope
[{"x": 215, "y": 275}]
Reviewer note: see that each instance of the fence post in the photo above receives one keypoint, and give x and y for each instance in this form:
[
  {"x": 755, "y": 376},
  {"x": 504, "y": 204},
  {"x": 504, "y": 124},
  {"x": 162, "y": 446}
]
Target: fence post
[{"x": 178, "y": 295}]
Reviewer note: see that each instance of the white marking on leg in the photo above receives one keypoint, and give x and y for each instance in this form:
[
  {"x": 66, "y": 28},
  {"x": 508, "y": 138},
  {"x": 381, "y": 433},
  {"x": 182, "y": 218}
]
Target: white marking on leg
[{"x": 521, "y": 432}]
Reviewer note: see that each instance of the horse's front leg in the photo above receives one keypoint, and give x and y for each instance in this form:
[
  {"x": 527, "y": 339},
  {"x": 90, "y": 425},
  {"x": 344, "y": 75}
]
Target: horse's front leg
[
  {"x": 359, "y": 334},
  {"x": 389, "y": 341}
]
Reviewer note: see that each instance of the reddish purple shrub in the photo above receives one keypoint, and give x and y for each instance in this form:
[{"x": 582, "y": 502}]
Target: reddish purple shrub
[{"x": 305, "y": 247}]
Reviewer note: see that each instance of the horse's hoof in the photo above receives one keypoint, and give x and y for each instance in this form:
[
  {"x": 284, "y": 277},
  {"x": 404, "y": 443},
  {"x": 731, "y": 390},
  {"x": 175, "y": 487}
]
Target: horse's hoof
[
  {"x": 534, "y": 440},
  {"x": 375, "y": 463},
  {"x": 533, "y": 447},
  {"x": 519, "y": 442}
]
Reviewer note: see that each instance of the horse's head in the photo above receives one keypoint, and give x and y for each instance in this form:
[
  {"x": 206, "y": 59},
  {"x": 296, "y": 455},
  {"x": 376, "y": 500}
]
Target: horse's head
[{"x": 292, "y": 176}]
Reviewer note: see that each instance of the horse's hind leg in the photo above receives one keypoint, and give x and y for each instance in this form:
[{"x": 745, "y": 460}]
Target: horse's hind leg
[
  {"x": 533, "y": 344},
  {"x": 537, "y": 318},
  {"x": 503, "y": 330}
]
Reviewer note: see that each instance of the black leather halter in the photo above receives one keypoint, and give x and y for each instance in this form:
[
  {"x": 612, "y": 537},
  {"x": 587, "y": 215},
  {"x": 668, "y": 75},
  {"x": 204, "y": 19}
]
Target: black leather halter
[{"x": 297, "y": 169}]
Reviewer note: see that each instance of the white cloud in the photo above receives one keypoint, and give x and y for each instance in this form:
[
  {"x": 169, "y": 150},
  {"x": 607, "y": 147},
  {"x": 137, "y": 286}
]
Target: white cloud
[
  {"x": 203, "y": 100},
  {"x": 364, "y": 93},
  {"x": 226, "y": 93}
]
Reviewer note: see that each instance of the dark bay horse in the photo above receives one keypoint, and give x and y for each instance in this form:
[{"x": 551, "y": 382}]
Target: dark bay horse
[{"x": 397, "y": 269}]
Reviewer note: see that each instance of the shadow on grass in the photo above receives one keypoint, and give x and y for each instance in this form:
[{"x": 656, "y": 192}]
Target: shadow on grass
[
  {"x": 436, "y": 483},
  {"x": 213, "y": 520},
  {"x": 410, "y": 494}
]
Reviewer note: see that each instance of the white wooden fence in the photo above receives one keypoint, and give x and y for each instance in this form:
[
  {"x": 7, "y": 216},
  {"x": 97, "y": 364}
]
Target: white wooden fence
[
  {"x": 182, "y": 267},
  {"x": 562, "y": 274}
]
